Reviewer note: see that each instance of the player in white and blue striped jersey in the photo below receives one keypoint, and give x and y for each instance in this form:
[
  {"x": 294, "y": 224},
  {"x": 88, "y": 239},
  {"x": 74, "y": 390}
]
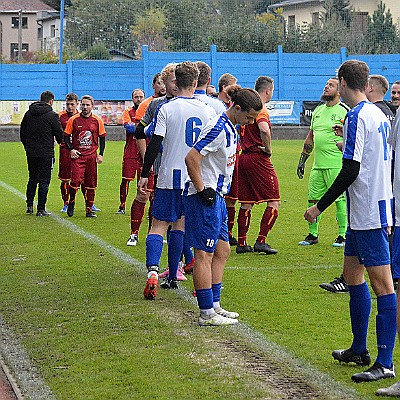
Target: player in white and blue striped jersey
[
  {"x": 210, "y": 166},
  {"x": 366, "y": 178},
  {"x": 177, "y": 125}
]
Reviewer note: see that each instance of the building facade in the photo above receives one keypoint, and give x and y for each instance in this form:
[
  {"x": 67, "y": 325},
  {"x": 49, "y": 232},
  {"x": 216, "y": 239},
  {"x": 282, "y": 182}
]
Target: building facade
[{"x": 29, "y": 24}]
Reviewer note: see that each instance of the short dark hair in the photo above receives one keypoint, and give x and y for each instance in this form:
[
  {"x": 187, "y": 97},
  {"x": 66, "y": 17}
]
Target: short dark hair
[
  {"x": 204, "y": 73},
  {"x": 156, "y": 77},
  {"x": 186, "y": 73},
  {"x": 355, "y": 73},
  {"x": 71, "y": 97},
  {"x": 263, "y": 82},
  {"x": 246, "y": 98},
  {"x": 46, "y": 96},
  {"x": 381, "y": 82}
]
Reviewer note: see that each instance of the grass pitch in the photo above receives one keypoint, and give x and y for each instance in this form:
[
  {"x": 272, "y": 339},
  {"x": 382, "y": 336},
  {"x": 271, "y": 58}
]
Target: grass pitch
[{"x": 70, "y": 293}]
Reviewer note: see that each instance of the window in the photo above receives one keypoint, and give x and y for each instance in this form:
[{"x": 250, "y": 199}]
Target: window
[
  {"x": 14, "y": 49},
  {"x": 52, "y": 31},
  {"x": 291, "y": 21},
  {"x": 315, "y": 19},
  {"x": 15, "y": 22},
  {"x": 359, "y": 21}
]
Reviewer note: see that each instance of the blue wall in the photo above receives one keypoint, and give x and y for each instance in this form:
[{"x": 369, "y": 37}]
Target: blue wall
[{"x": 298, "y": 76}]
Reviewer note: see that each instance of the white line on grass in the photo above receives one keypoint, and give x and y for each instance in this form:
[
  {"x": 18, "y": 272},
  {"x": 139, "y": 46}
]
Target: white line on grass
[{"x": 14, "y": 351}]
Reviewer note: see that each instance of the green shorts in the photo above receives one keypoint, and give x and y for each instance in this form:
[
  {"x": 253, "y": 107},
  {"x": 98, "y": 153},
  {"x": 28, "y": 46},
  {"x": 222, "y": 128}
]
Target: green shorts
[{"x": 320, "y": 181}]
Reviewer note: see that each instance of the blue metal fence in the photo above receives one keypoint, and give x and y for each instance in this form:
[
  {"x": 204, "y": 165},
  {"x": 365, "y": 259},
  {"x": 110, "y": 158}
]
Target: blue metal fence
[{"x": 298, "y": 76}]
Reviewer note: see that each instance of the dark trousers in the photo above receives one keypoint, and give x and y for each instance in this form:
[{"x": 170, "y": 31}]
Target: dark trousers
[{"x": 39, "y": 174}]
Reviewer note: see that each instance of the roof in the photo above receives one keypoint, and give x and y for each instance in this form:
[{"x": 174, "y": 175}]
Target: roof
[
  {"x": 289, "y": 3},
  {"x": 24, "y": 5}
]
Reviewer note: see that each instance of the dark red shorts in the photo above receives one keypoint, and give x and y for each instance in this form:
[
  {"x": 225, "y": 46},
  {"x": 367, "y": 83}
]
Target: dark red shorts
[
  {"x": 64, "y": 164},
  {"x": 233, "y": 191},
  {"x": 130, "y": 167},
  {"x": 257, "y": 179},
  {"x": 84, "y": 169}
]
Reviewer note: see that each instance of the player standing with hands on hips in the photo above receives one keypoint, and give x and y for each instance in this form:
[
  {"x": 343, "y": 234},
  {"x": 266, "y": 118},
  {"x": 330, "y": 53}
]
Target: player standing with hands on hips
[
  {"x": 366, "y": 178},
  {"x": 210, "y": 165}
]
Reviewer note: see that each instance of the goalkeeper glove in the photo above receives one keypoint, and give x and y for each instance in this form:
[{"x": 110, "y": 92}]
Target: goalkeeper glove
[
  {"x": 207, "y": 195},
  {"x": 130, "y": 128},
  {"x": 302, "y": 164}
]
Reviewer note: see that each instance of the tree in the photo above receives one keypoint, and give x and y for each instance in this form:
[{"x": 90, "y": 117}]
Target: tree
[
  {"x": 381, "y": 34},
  {"x": 339, "y": 9},
  {"x": 149, "y": 29}
]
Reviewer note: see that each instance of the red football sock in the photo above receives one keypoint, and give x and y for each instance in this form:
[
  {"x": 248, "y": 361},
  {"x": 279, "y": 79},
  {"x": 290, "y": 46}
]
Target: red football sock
[
  {"x": 231, "y": 219},
  {"x": 243, "y": 225},
  {"x": 137, "y": 213},
  {"x": 267, "y": 222},
  {"x": 123, "y": 192},
  {"x": 64, "y": 191}
]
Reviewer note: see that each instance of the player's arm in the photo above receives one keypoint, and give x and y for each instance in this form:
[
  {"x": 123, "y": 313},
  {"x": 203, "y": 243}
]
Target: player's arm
[
  {"x": 307, "y": 149},
  {"x": 23, "y": 131},
  {"x": 265, "y": 133},
  {"x": 57, "y": 129},
  {"x": 193, "y": 164},
  {"x": 347, "y": 175},
  {"x": 152, "y": 150}
]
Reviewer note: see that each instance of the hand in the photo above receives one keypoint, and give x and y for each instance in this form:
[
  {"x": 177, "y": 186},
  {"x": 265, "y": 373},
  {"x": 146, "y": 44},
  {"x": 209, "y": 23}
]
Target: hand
[
  {"x": 338, "y": 129},
  {"x": 300, "y": 169},
  {"x": 142, "y": 185},
  {"x": 75, "y": 154},
  {"x": 208, "y": 195},
  {"x": 311, "y": 214},
  {"x": 268, "y": 152},
  {"x": 301, "y": 164},
  {"x": 99, "y": 159},
  {"x": 339, "y": 145}
]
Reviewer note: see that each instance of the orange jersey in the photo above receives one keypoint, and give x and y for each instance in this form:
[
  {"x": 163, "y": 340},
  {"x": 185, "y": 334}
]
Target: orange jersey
[
  {"x": 250, "y": 134},
  {"x": 129, "y": 115},
  {"x": 142, "y": 108},
  {"x": 85, "y": 132}
]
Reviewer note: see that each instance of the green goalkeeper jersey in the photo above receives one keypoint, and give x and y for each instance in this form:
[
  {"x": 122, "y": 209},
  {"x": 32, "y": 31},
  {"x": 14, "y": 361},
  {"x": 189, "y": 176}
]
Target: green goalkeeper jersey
[{"x": 326, "y": 153}]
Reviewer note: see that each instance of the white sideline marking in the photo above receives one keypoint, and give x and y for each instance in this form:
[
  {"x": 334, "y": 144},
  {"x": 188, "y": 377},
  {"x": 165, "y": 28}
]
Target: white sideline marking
[{"x": 317, "y": 378}]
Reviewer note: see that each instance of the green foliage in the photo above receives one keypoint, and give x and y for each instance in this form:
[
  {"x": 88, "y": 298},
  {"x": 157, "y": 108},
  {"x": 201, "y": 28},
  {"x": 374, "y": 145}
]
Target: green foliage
[
  {"x": 149, "y": 29},
  {"x": 381, "y": 34},
  {"x": 97, "y": 52}
]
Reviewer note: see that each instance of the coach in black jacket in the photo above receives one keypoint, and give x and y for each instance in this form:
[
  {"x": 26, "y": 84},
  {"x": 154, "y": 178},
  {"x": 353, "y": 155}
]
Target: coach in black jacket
[{"x": 39, "y": 127}]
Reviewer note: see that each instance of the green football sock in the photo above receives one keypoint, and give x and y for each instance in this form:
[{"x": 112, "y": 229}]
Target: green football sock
[
  {"x": 313, "y": 226},
  {"x": 341, "y": 217}
]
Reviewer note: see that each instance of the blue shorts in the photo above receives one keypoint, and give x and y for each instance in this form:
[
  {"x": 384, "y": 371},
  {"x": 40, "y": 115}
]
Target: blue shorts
[
  {"x": 205, "y": 225},
  {"x": 167, "y": 204},
  {"x": 370, "y": 246},
  {"x": 396, "y": 253}
]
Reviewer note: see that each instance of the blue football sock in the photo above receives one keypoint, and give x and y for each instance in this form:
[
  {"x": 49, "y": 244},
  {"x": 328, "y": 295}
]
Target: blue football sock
[
  {"x": 154, "y": 245},
  {"x": 175, "y": 245},
  {"x": 187, "y": 252},
  {"x": 216, "y": 290},
  {"x": 386, "y": 328},
  {"x": 204, "y": 299},
  {"x": 360, "y": 309}
]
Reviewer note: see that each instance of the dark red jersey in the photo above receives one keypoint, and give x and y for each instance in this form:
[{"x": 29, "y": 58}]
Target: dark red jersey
[
  {"x": 64, "y": 117},
  {"x": 250, "y": 134},
  {"x": 131, "y": 149},
  {"x": 85, "y": 132}
]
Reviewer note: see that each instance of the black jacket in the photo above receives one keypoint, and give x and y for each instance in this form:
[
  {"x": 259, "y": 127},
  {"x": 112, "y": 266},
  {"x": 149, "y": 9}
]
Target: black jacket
[{"x": 39, "y": 127}]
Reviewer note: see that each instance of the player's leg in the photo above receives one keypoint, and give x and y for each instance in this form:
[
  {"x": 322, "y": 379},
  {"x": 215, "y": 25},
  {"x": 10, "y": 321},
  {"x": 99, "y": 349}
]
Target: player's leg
[
  {"x": 316, "y": 189},
  {"x": 64, "y": 174},
  {"x": 78, "y": 167},
  {"x": 204, "y": 237},
  {"x": 44, "y": 176},
  {"x": 243, "y": 222},
  {"x": 90, "y": 179},
  {"x": 230, "y": 201},
  {"x": 129, "y": 168},
  {"x": 137, "y": 212},
  {"x": 175, "y": 248},
  {"x": 33, "y": 171},
  {"x": 267, "y": 222},
  {"x": 375, "y": 245},
  {"x": 394, "y": 390}
]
